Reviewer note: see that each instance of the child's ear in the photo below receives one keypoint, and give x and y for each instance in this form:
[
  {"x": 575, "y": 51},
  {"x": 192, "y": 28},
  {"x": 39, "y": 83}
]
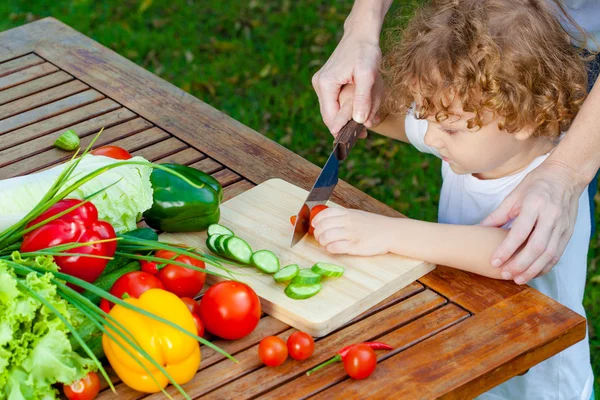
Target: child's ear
[{"x": 525, "y": 133}]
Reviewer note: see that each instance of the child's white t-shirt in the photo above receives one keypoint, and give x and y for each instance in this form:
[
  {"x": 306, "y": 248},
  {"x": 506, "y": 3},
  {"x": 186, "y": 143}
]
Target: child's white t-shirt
[{"x": 466, "y": 200}]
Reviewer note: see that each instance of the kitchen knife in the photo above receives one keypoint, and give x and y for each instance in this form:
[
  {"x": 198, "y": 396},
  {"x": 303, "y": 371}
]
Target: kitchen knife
[{"x": 328, "y": 178}]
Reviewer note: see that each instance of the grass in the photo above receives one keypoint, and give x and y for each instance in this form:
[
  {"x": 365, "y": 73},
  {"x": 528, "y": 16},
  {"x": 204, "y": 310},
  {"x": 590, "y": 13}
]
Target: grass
[{"x": 254, "y": 60}]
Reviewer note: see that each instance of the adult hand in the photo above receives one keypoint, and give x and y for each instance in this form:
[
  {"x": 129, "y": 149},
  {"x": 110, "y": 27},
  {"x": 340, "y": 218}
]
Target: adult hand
[
  {"x": 544, "y": 208},
  {"x": 354, "y": 61}
]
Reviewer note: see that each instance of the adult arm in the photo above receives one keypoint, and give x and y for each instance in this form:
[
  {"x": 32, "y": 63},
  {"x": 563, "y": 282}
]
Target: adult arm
[
  {"x": 355, "y": 60},
  {"x": 544, "y": 205}
]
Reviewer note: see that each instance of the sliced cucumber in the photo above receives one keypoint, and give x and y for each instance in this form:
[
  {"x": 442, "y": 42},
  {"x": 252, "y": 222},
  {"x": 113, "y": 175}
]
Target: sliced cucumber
[
  {"x": 301, "y": 292},
  {"x": 219, "y": 244},
  {"x": 215, "y": 229},
  {"x": 210, "y": 243},
  {"x": 306, "y": 277},
  {"x": 287, "y": 273},
  {"x": 265, "y": 261},
  {"x": 327, "y": 269},
  {"x": 238, "y": 249}
]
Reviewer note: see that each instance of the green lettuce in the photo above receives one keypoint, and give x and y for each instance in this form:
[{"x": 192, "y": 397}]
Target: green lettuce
[
  {"x": 35, "y": 351},
  {"x": 122, "y": 204}
]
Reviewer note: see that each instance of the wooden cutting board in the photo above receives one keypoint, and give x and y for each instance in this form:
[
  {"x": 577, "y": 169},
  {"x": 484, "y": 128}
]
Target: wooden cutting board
[{"x": 261, "y": 216}]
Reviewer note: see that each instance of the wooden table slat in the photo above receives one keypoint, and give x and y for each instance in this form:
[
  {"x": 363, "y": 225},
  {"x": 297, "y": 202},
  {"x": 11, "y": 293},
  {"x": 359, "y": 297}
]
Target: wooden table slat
[
  {"x": 49, "y": 110},
  {"x": 472, "y": 292},
  {"x": 41, "y": 98},
  {"x": 142, "y": 139},
  {"x": 185, "y": 157},
  {"x": 55, "y": 156},
  {"x": 55, "y": 123},
  {"x": 34, "y": 86},
  {"x": 46, "y": 142},
  {"x": 226, "y": 177},
  {"x": 225, "y": 380},
  {"x": 207, "y": 165},
  {"x": 20, "y": 63},
  {"x": 480, "y": 347},
  {"x": 170, "y": 146},
  {"x": 26, "y": 75},
  {"x": 401, "y": 339},
  {"x": 231, "y": 191}
]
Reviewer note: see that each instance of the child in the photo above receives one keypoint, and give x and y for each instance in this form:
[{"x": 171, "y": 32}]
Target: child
[{"x": 488, "y": 87}]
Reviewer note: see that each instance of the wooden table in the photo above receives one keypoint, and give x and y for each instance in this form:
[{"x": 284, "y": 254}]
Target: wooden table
[{"x": 455, "y": 335}]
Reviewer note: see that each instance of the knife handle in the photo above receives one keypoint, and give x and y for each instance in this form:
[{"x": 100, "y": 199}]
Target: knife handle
[{"x": 346, "y": 139}]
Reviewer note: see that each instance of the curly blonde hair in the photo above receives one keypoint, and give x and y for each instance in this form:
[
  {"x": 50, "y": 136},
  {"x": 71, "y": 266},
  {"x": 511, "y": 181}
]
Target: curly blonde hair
[{"x": 508, "y": 57}]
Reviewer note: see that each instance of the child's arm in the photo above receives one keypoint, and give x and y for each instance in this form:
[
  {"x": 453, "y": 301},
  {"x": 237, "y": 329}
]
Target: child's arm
[{"x": 355, "y": 232}]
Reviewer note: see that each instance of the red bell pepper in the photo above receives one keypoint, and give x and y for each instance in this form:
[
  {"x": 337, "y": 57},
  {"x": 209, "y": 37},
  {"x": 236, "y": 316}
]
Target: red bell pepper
[{"x": 80, "y": 225}]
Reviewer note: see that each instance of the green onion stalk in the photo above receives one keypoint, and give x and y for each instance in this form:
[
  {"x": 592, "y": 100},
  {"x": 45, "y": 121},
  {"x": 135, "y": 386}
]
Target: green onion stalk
[{"x": 24, "y": 264}]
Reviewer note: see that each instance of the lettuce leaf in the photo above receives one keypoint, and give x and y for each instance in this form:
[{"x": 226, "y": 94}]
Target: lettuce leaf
[
  {"x": 35, "y": 351},
  {"x": 122, "y": 204}
]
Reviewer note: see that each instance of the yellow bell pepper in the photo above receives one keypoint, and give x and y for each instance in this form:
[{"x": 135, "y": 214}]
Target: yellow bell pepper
[{"x": 177, "y": 352}]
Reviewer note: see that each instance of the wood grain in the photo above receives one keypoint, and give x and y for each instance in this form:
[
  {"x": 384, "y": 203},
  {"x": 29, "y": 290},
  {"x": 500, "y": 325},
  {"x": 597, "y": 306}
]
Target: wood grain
[
  {"x": 160, "y": 149},
  {"x": 401, "y": 339},
  {"x": 62, "y": 122},
  {"x": 26, "y": 75},
  {"x": 41, "y": 98},
  {"x": 479, "y": 346},
  {"x": 261, "y": 217},
  {"x": 19, "y": 63},
  {"x": 186, "y": 157},
  {"x": 34, "y": 86},
  {"x": 49, "y": 110}
]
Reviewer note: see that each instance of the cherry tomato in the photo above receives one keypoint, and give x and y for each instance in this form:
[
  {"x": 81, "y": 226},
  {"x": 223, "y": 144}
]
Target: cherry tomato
[
  {"x": 192, "y": 305},
  {"x": 272, "y": 351},
  {"x": 313, "y": 212},
  {"x": 149, "y": 267},
  {"x": 230, "y": 310},
  {"x": 199, "y": 325},
  {"x": 293, "y": 219},
  {"x": 115, "y": 152},
  {"x": 181, "y": 281},
  {"x": 134, "y": 284},
  {"x": 300, "y": 345},
  {"x": 360, "y": 362},
  {"x": 87, "y": 388}
]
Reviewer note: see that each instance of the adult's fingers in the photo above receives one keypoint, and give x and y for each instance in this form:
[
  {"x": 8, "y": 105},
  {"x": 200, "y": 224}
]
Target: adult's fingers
[
  {"x": 328, "y": 91},
  {"x": 549, "y": 256},
  {"x": 342, "y": 117},
  {"x": 502, "y": 214},
  {"x": 364, "y": 81},
  {"x": 562, "y": 245},
  {"x": 536, "y": 247},
  {"x": 517, "y": 235}
]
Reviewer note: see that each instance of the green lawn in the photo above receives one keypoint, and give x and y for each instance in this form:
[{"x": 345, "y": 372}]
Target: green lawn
[{"x": 253, "y": 60}]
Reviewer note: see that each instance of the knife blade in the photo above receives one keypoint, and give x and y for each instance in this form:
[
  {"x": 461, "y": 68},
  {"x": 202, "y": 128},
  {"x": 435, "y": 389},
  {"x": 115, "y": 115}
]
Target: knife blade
[{"x": 327, "y": 179}]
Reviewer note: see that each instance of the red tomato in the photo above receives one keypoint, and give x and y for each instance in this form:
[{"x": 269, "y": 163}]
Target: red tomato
[
  {"x": 293, "y": 219},
  {"x": 87, "y": 388},
  {"x": 192, "y": 305},
  {"x": 149, "y": 267},
  {"x": 181, "y": 281},
  {"x": 199, "y": 325},
  {"x": 272, "y": 351},
  {"x": 360, "y": 362},
  {"x": 115, "y": 152},
  {"x": 230, "y": 310},
  {"x": 300, "y": 345},
  {"x": 134, "y": 284},
  {"x": 105, "y": 305},
  {"x": 313, "y": 212}
]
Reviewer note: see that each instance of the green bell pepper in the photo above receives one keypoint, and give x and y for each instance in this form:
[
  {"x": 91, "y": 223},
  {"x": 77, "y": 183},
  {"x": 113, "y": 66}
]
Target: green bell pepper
[{"x": 179, "y": 207}]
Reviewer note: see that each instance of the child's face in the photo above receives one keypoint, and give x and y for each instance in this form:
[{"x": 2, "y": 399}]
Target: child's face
[{"x": 487, "y": 152}]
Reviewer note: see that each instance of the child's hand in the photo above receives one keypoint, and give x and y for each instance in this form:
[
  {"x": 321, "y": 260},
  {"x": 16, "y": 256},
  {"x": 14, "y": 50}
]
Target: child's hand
[{"x": 354, "y": 232}]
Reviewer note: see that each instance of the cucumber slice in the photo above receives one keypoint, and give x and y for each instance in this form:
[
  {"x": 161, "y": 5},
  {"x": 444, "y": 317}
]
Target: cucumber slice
[
  {"x": 214, "y": 229},
  {"x": 327, "y": 269},
  {"x": 306, "y": 277},
  {"x": 238, "y": 249},
  {"x": 286, "y": 274},
  {"x": 301, "y": 292},
  {"x": 265, "y": 261},
  {"x": 210, "y": 243},
  {"x": 219, "y": 244}
]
